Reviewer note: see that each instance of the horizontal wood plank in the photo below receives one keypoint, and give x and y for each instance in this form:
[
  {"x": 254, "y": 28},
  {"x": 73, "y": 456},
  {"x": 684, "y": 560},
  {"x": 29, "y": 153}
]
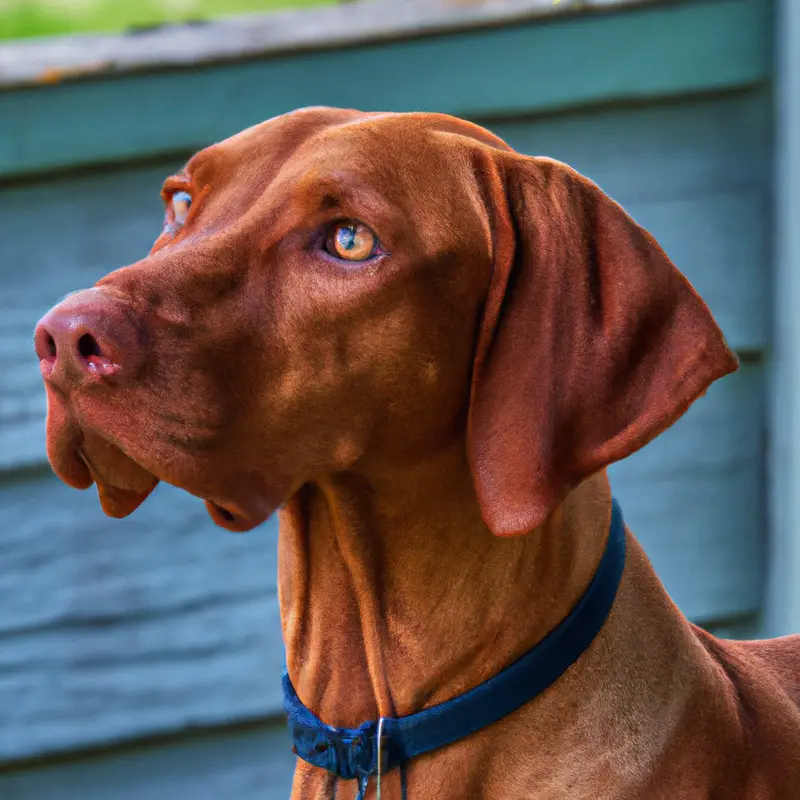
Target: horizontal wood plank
[
  {"x": 112, "y": 630},
  {"x": 641, "y": 53},
  {"x": 251, "y": 764},
  {"x": 695, "y": 498},
  {"x": 33, "y": 62},
  {"x": 660, "y": 151}
]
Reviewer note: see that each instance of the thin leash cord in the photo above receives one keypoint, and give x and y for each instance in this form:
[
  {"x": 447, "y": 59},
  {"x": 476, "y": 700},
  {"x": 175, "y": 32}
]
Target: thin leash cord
[
  {"x": 380, "y": 760},
  {"x": 403, "y": 772},
  {"x": 364, "y": 777}
]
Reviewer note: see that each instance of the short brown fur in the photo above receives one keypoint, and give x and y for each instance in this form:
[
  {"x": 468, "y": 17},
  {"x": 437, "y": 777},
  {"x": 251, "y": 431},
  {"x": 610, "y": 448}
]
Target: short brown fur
[{"x": 434, "y": 426}]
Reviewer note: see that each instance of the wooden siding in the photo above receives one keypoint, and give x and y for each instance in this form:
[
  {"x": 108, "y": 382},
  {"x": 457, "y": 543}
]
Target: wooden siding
[
  {"x": 251, "y": 764},
  {"x": 119, "y": 631},
  {"x": 648, "y": 52},
  {"x": 783, "y": 600},
  {"x": 113, "y": 631}
]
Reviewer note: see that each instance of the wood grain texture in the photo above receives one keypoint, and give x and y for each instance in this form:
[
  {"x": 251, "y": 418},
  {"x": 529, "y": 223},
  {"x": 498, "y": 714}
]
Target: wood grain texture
[
  {"x": 114, "y": 630},
  {"x": 695, "y": 499},
  {"x": 637, "y": 54},
  {"x": 251, "y": 764},
  {"x": 34, "y": 62}
]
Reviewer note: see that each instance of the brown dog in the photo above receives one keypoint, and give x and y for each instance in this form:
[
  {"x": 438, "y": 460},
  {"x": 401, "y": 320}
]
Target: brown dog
[{"x": 426, "y": 348}]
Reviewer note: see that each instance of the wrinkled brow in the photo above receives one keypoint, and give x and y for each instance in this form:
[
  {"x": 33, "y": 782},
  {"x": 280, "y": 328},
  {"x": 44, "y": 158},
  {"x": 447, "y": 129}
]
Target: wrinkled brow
[{"x": 346, "y": 189}]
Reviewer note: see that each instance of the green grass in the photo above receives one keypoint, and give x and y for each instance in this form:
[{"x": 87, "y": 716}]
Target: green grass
[{"x": 28, "y": 18}]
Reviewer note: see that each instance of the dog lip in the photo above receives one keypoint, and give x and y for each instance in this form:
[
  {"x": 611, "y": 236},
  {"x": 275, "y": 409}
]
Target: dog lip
[{"x": 117, "y": 501}]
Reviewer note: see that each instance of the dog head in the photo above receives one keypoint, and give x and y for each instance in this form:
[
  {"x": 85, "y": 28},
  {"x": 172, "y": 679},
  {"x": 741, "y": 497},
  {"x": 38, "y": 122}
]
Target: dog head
[{"x": 334, "y": 289}]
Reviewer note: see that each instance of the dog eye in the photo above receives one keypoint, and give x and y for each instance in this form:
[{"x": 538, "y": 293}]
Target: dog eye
[
  {"x": 181, "y": 203},
  {"x": 352, "y": 241}
]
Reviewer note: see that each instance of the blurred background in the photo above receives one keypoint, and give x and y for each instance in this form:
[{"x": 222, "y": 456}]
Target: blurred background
[{"x": 141, "y": 659}]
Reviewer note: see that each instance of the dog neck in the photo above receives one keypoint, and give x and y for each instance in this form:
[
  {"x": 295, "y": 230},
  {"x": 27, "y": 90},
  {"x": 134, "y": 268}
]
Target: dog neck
[{"x": 395, "y": 597}]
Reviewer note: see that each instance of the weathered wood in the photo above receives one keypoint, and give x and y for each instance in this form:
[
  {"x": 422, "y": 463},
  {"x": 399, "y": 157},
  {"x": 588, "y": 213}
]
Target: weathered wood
[
  {"x": 112, "y": 630},
  {"x": 42, "y": 61},
  {"x": 658, "y": 152},
  {"x": 251, "y": 764},
  {"x": 695, "y": 498},
  {"x": 783, "y": 599},
  {"x": 657, "y": 52},
  {"x": 693, "y": 173}
]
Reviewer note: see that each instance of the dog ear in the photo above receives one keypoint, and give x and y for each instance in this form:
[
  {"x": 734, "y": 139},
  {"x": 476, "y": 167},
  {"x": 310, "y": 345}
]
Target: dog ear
[{"x": 591, "y": 342}]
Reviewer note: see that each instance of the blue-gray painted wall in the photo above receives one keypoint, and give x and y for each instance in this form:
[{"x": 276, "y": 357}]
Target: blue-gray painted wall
[{"x": 147, "y": 629}]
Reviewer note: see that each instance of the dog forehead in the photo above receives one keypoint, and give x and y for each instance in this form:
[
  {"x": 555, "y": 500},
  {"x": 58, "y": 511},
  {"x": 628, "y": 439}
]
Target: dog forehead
[
  {"x": 419, "y": 159},
  {"x": 413, "y": 135},
  {"x": 381, "y": 137},
  {"x": 270, "y": 141}
]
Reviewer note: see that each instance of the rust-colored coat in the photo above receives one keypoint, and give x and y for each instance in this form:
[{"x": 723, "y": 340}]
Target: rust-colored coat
[{"x": 434, "y": 422}]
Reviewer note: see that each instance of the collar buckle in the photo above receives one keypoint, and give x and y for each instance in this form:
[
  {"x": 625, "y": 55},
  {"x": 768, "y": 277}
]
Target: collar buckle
[{"x": 350, "y": 753}]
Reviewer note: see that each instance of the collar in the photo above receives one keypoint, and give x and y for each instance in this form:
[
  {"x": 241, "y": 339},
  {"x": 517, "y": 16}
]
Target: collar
[{"x": 351, "y": 753}]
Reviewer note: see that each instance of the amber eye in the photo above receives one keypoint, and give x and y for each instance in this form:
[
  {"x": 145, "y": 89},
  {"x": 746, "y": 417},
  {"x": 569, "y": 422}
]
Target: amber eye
[
  {"x": 181, "y": 203},
  {"x": 352, "y": 241}
]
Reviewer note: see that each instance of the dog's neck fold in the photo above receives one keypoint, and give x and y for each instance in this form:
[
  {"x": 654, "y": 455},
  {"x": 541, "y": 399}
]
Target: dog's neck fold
[{"x": 395, "y": 596}]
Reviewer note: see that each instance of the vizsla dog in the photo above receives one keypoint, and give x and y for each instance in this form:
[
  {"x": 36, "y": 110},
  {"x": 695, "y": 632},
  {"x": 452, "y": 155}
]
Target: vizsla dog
[{"x": 424, "y": 348}]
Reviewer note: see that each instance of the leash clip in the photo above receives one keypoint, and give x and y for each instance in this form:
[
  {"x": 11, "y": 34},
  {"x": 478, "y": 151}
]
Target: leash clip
[{"x": 363, "y": 778}]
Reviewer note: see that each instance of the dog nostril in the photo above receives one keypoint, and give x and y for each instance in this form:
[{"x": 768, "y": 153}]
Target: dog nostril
[
  {"x": 226, "y": 514},
  {"x": 50, "y": 344},
  {"x": 87, "y": 346}
]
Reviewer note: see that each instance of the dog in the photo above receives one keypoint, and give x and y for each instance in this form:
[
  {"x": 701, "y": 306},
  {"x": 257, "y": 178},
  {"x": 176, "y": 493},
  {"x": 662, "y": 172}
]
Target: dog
[{"x": 423, "y": 349}]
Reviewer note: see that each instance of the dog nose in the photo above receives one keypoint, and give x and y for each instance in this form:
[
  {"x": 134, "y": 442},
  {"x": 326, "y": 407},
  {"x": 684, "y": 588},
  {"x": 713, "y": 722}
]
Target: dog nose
[{"x": 82, "y": 338}]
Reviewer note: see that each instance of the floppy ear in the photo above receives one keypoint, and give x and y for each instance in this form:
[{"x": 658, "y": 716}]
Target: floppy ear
[{"x": 591, "y": 342}]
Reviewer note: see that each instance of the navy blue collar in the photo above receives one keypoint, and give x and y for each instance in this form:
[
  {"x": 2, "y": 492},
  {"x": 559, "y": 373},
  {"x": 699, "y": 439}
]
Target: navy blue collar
[{"x": 351, "y": 753}]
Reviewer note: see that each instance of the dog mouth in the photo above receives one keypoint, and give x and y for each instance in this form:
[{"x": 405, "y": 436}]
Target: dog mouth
[
  {"x": 81, "y": 457},
  {"x": 119, "y": 501},
  {"x": 123, "y": 485}
]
